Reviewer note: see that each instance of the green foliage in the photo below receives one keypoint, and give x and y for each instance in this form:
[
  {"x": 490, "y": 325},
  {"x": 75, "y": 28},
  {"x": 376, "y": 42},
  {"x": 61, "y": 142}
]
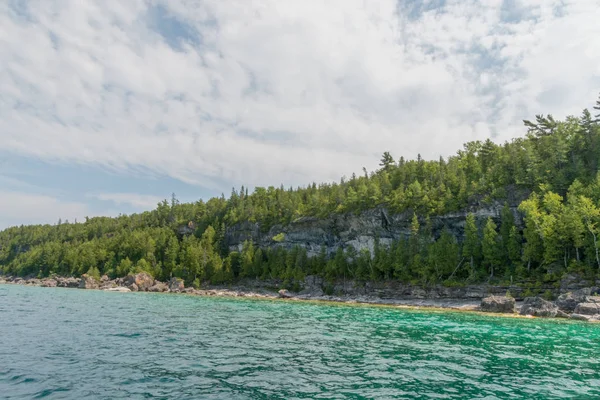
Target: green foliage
[
  {"x": 94, "y": 273},
  {"x": 280, "y": 237},
  {"x": 557, "y": 229}
]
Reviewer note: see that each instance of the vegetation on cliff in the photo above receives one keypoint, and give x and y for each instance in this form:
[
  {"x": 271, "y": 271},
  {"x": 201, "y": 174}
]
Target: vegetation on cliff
[{"x": 557, "y": 162}]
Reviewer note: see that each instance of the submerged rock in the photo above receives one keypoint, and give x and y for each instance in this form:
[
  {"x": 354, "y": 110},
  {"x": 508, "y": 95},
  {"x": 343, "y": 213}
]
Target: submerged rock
[
  {"x": 118, "y": 289},
  {"x": 538, "y": 307},
  {"x": 498, "y": 304}
]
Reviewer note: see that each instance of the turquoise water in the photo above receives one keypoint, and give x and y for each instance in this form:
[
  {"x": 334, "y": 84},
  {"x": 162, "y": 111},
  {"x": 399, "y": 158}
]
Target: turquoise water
[{"x": 74, "y": 344}]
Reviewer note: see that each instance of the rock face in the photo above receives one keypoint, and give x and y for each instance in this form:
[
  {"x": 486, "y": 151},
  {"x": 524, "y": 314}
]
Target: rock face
[
  {"x": 359, "y": 231},
  {"x": 88, "y": 282},
  {"x": 176, "y": 285},
  {"x": 538, "y": 307},
  {"x": 498, "y": 304}
]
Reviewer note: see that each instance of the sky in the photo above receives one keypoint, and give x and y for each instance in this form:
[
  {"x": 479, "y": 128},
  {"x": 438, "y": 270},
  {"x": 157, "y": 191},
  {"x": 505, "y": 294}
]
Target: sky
[{"x": 107, "y": 107}]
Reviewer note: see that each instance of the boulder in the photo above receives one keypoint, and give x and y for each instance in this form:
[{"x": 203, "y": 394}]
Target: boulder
[
  {"x": 133, "y": 287},
  {"x": 118, "y": 289},
  {"x": 88, "y": 282},
  {"x": 498, "y": 304},
  {"x": 568, "y": 301},
  {"x": 284, "y": 294},
  {"x": 538, "y": 307},
  {"x": 587, "y": 308},
  {"x": 176, "y": 285},
  {"x": 104, "y": 279},
  {"x": 142, "y": 280},
  {"x": 159, "y": 287}
]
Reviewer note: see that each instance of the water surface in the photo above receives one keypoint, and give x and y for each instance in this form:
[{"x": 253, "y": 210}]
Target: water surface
[{"x": 74, "y": 344}]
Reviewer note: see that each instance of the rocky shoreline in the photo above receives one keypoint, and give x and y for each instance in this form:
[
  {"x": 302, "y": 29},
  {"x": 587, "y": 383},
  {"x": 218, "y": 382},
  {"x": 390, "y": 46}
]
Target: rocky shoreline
[{"x": 582, "y": 304}]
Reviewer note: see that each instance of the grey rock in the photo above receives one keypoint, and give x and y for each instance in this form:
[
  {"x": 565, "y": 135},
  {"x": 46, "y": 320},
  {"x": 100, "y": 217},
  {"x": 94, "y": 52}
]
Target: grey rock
[
  {"x": 498, "y": 304},
  {"x": 133, "y": 287},
  {"x": 587, "y": 308},
  {"x": 580, "y": 317},
  {"x": 568, "y": 301},
  {"x": 284, "y": 294},
  {"x": 538, "y": 307}
]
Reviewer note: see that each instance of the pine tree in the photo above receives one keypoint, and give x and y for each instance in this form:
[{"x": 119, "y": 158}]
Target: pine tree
[{"x": 490, "y": 246}]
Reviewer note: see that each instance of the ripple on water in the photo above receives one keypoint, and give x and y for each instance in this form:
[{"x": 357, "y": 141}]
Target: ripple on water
[{"x": 59, "y": 343}]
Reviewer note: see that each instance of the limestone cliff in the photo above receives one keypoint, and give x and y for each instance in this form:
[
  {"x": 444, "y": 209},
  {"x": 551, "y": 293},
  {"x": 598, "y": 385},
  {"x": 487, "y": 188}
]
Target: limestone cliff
[{"x": 360, "y": 231}]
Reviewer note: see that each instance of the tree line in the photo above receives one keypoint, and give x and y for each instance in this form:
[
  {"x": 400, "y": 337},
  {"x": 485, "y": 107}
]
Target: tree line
[{"x": 556, "y": 162}]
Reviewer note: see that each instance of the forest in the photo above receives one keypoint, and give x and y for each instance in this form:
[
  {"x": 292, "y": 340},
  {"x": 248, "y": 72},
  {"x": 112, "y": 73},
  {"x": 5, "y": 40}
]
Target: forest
[{"x": 556, "y": 162}]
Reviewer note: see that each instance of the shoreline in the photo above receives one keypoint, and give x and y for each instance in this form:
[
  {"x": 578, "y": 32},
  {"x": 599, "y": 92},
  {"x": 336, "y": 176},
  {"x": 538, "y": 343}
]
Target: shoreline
[
  {"x": 441, "y": 305},
  {"x": 499, "y": 306}
]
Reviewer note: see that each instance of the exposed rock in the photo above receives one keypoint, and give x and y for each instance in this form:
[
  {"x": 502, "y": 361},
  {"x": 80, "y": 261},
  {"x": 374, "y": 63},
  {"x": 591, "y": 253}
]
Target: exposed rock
[
  {"x": 189, "y": 290},
  {"x": 362, "y": 230},
  {"x": 538, "y": 307},
  {"x": 34, "y": 282},
  {"x": 176, "y": 285},
  {"x": 580, "y": 317},
  {"x": 133, "y": 287},
  {"x": 117, "y": 289},
  {"x": 142, "y": 280},
  {"x": 587, "y": 308},
  {"x": 104, "y": 279},
  {"x": 88, "y": 282},
  {"x": 498, "y": 304},
  {"x": 284, "y": 294},
  {"x": 159, "y": 287},
  {"x": 67, "y": 282},
  {"x": 568, "y": 301},
  {"x": 48, "y": 282}
]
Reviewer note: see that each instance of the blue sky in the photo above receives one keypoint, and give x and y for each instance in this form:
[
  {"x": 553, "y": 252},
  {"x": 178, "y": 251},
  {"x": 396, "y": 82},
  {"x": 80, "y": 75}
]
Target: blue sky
[{"x": 108, "y": 107}]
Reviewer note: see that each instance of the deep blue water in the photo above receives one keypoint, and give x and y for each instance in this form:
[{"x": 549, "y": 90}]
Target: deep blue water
[{"x": 75, "y": 344}]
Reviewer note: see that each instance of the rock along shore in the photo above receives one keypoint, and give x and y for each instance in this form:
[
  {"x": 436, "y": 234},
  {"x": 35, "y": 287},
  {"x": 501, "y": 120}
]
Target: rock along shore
[{"x": 582, "y": 304}]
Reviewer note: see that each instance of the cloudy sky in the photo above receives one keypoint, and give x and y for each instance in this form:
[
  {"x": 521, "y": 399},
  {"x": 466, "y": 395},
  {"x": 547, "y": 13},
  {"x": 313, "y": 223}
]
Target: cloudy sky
[{"x": 108, "y": 106}]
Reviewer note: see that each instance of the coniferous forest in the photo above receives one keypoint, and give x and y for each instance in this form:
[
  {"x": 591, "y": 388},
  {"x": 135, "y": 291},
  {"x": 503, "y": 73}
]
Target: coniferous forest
[{"x": 556, "y": 163}]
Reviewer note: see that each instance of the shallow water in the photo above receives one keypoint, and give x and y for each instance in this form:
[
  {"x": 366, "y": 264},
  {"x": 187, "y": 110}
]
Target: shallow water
[{"x": 68, "y": 343}]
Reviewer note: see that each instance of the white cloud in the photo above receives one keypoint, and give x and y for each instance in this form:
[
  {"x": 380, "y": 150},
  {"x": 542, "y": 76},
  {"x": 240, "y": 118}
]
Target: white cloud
[
  {"x": 284, "y": 91},
  {"x": 18, "y": 208},
  {"x": 138, "y": 201}
]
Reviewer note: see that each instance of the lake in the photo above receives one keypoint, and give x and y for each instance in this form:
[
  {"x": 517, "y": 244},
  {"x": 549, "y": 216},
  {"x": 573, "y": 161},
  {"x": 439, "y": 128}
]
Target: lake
[{"x": 74, "y": 344}]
